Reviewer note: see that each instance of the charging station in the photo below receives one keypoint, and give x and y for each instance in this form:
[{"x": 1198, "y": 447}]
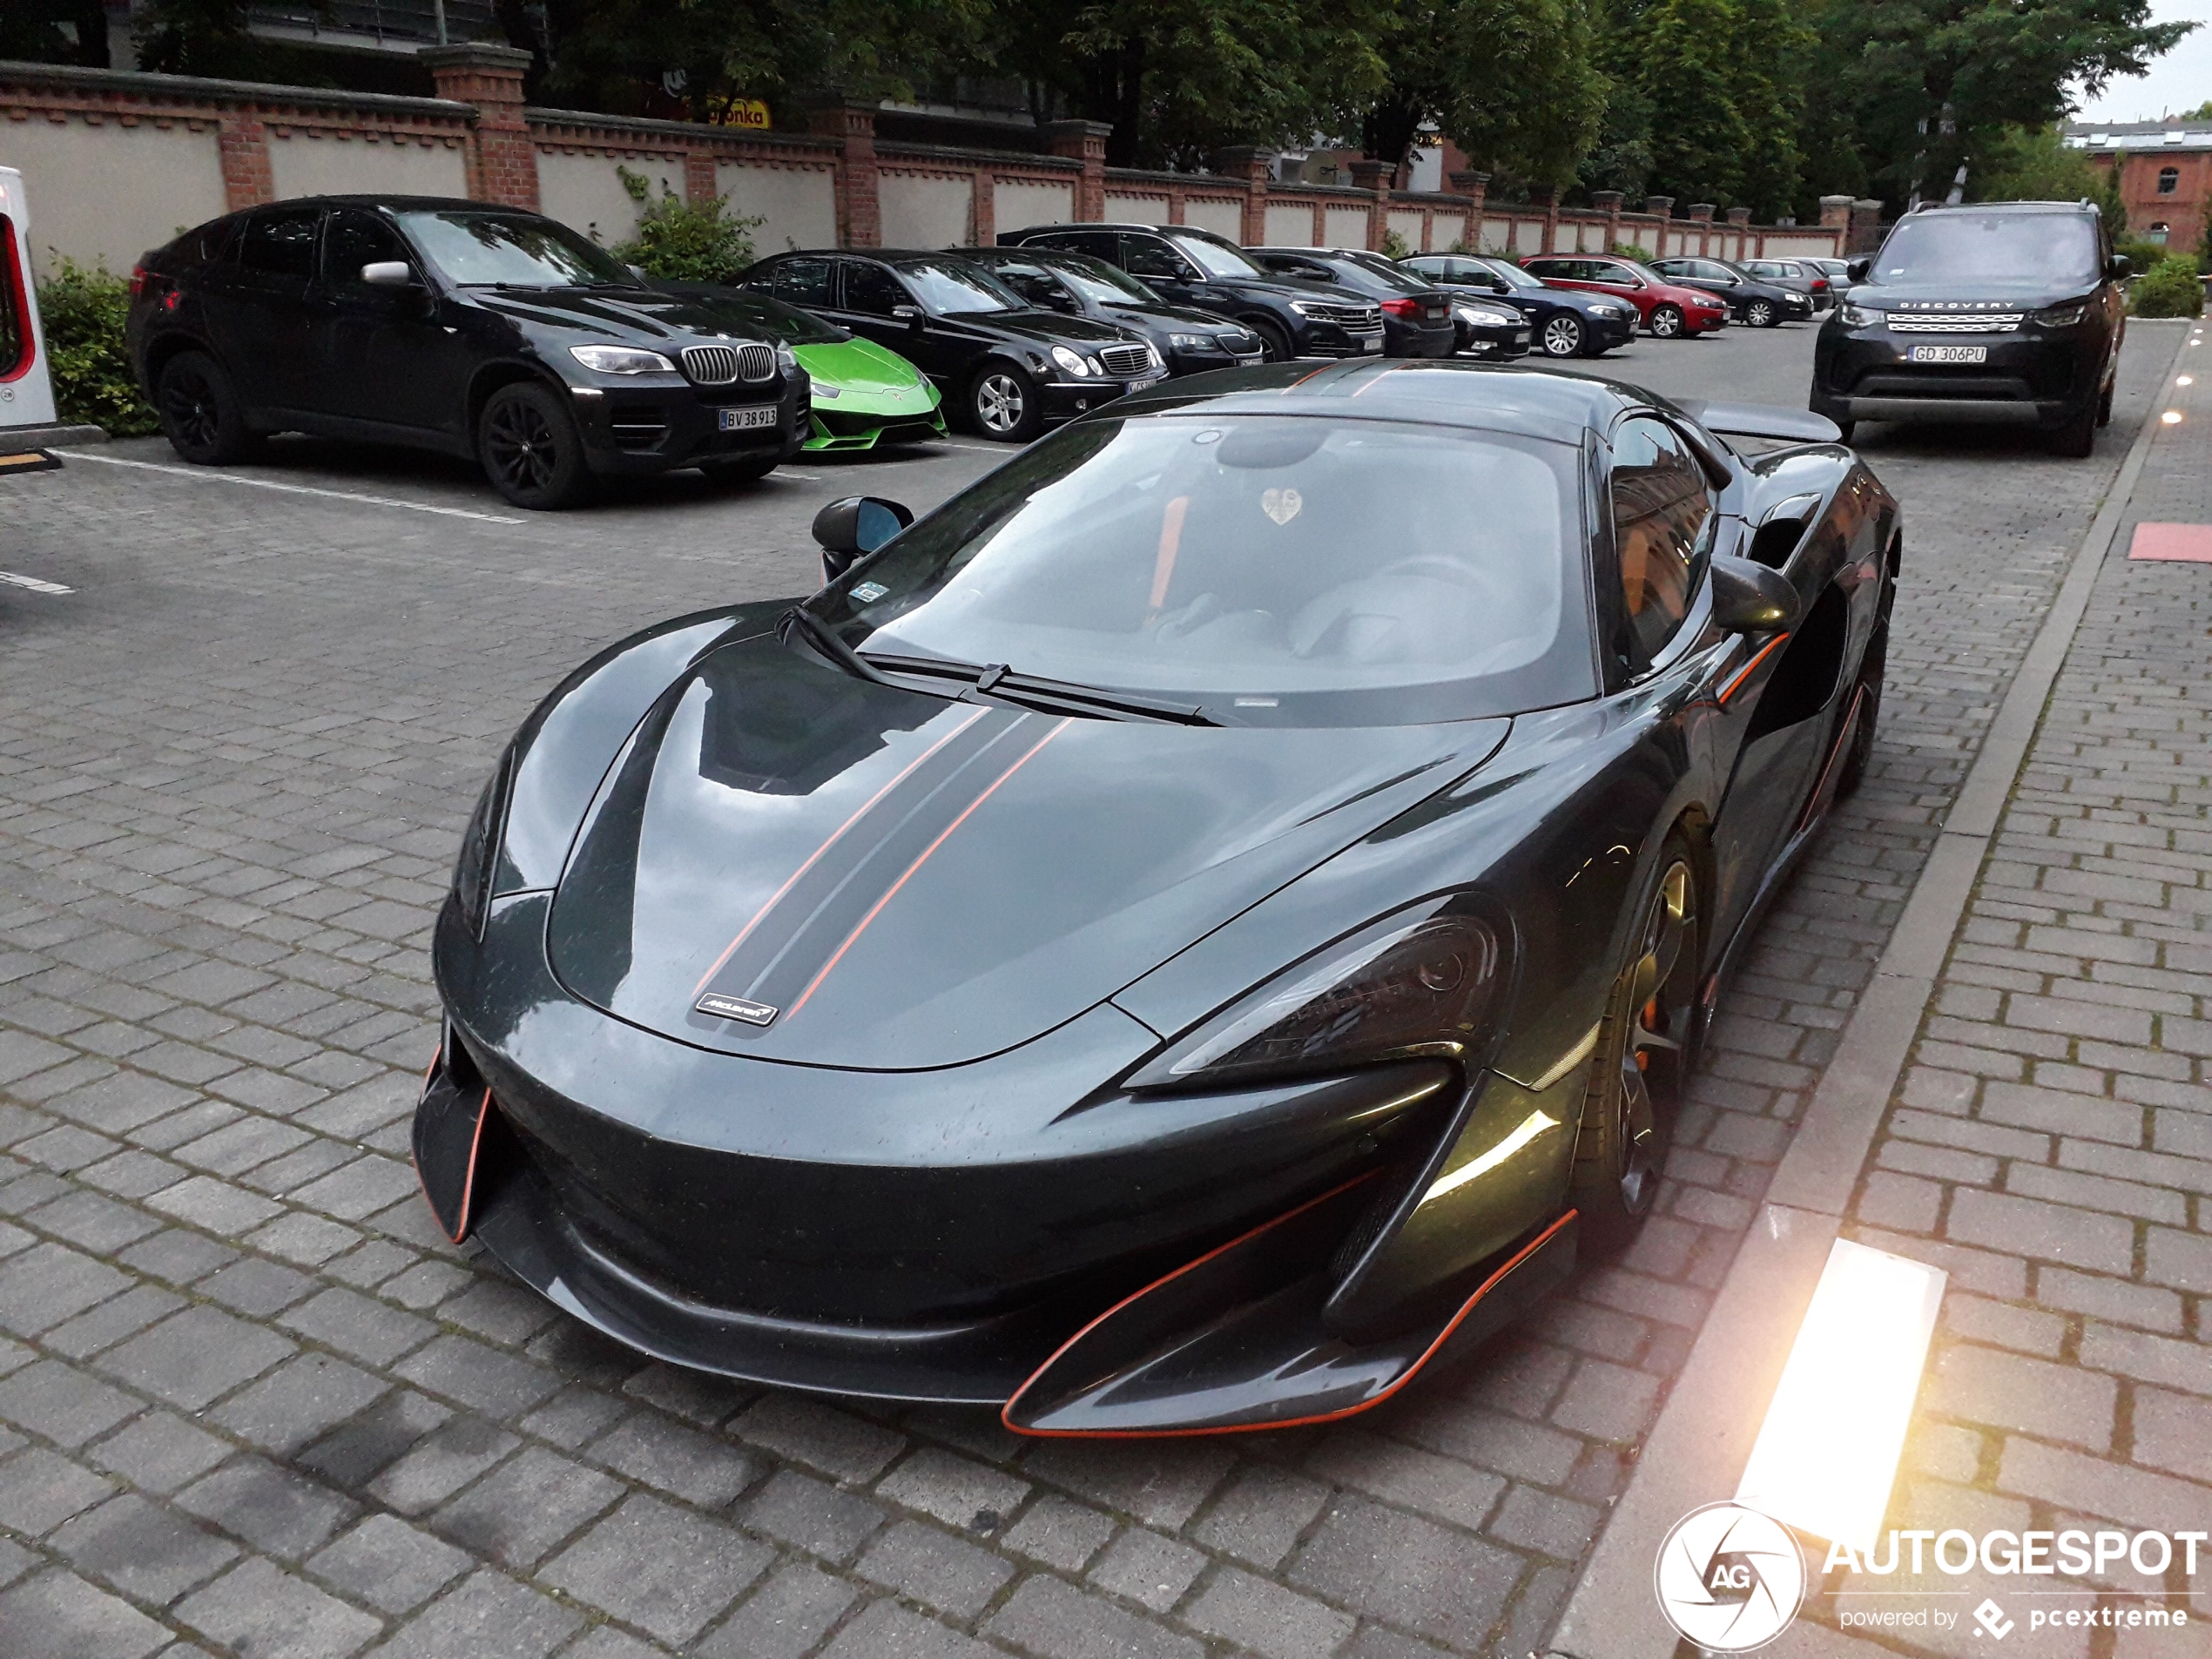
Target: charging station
[{"x": 26, "y": 391}]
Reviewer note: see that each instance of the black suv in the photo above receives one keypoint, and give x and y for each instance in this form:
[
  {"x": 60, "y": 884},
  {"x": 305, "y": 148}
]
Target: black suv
[
  {"x": 481, "y": 331},
  {"x": 1994, "y": 313},
  {"x": 1187, "y": 267}
]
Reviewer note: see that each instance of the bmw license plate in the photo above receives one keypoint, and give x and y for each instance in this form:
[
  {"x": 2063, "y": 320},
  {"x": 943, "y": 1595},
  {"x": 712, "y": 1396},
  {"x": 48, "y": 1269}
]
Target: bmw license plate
[
  {"x": 748, "y": 420},
  {"x": 1950, "y": 354}
]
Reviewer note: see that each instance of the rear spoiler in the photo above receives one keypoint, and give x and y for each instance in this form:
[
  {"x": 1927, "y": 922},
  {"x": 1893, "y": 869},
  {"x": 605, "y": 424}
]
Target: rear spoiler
[{"x": 1761, "y": 420}]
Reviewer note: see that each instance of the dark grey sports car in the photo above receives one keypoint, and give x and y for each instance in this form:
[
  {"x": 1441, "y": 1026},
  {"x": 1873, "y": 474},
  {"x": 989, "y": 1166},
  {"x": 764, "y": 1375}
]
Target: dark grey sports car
[{"x": 1209, "y": 918}]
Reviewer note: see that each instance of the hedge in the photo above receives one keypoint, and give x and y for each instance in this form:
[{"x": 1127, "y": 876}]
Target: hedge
[
  {"x": 84, "y": 312},
  {"x": 2170, "y": 288}
]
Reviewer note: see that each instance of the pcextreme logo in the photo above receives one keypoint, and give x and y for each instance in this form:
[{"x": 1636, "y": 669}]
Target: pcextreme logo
[{"x": 1729, "y": 1578}]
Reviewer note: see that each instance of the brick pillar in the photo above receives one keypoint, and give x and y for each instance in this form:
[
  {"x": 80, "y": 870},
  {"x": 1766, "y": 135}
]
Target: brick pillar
[
  {"x": 859, "y": 209},
  {"x": 1835, "y": 215},
  {"x": 243, "y": 142},
  {"x": 1546, "y": 198},
  {"x": 1701, "y": 217},
  {"x": 1376, "y": 178},
  {"x": 1475, "y": 186},
  {"x": 698, "y": 176},
  {"x": 1255, "y": 168},
  {"x": 503, "y": 157},
  {"x": 1609, "y": 203},
  {"x": 983, "y": 214},
  {"x": 1865, "y": 226},
  {"x": 1178, "y": 206},
  {"x": 1083, "y": 141},
  {"x": 1739, "y": 223}
]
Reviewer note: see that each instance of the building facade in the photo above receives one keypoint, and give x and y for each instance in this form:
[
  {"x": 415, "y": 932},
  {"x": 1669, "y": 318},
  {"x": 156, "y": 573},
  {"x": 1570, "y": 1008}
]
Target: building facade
[{"x": 2165, "y": 174}]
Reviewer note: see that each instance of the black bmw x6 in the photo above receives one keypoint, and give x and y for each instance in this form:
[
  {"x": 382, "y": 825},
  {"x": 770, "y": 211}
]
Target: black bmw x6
[{"x": 484, "y": 332}]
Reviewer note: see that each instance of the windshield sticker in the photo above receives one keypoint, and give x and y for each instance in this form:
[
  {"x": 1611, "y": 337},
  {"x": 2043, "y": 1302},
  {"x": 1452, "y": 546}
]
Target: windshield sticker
[
  {"x": 868, "y": 592},
  {"x": 1281, "y": 505}
]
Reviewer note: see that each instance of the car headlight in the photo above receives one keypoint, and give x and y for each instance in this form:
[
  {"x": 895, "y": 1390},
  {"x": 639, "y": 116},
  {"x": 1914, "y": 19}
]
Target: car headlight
[
  {"x": 1308, "y": 308},
  {"x": 1427, "y": 982},
  {"x": 1606, "y": 311},
  {"x": 1853, "y": 315},
  {"x": 2061, "y": 316},
  {"x": 786, "y": 358},
  {"x": 621, "y": 359},
  {"x": 1482, "y": 318},
  {"x": 1196, "y": 342},
  {"x": 1068, "y": 360},
  {"x": 475, "y": 869}
]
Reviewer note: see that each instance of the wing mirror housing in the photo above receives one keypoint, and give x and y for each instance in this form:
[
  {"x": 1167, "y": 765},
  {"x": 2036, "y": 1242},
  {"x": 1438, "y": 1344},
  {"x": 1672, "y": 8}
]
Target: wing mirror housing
[
  {"x": 910, "y": 315},
  {"x": 1856, "y": 269},
  {"x": 1749, "y": 598},
  {"x": 848, "y": 530},
  {"x": 2118, "y": 267},
  {"x": 389, "y": 274}
]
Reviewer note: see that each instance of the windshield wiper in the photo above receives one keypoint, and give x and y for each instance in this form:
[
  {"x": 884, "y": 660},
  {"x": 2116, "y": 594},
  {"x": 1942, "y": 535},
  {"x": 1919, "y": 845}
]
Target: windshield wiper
[
  {"x": 825, "y": 640},
  {"x": 1033, "y": 691}
]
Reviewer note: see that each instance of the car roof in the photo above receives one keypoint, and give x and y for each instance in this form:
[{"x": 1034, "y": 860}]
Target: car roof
[
  {"x": 397, "y": 204},
  {"x": 1554, "y": 403},
  {"x": 2000, "y": 208}
]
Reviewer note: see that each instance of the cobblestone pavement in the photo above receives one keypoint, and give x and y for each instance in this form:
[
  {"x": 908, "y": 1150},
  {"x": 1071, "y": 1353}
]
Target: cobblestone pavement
[
  {"x": 2050, "y": 1143},
  {"x": 250, "y": 1402}
]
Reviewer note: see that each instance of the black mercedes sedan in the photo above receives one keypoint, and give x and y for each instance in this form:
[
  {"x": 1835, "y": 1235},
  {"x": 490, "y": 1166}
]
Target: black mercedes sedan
[
  {"x": 1181, "y": 935},
  {"x": 1755, "y": 301},
  {"x": 1191, "y": 340},
  {"x": 484, "y": 332},
  {"x": 1010, "y": 367},
  {"x": 1563, "y": 322},
  {"x": 1417, "y": 315},
  {"x": 1188, "y": 266}
]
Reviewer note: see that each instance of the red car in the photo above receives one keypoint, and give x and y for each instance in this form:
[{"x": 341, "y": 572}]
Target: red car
[{"x": 1668, "y": 311}]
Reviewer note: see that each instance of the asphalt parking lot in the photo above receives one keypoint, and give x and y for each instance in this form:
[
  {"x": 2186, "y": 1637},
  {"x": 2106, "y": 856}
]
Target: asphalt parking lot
[{"x": 251, "y": 1401}]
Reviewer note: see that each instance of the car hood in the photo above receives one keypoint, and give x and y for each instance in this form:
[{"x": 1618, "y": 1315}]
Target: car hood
[
  {"x": 1183, "y": 317},
  {"x": 909, "y": 882},
  {"x": 1047, "y": 327},
  {"x": 859, "y": 370},
  {"x": 1965, "y": 293},
  {"x": 618, "y": 314}
]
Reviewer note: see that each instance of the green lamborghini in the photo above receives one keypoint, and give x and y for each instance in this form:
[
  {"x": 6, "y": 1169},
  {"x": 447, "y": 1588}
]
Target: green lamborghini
[{"x": 864, "y": 394}]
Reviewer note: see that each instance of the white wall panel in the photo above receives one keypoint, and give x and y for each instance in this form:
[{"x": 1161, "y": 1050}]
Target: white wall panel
[
  {"x": 1017, "y": 203},
  {"x": 302, "y": 165},
  {"x": 798, "y": 204},
  {"x": 925, "y": 213},
  {"x": 108, "y": 193}
]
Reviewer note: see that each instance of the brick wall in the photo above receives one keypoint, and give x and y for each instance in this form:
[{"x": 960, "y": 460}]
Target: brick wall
[{"x": 200, "y": 147}]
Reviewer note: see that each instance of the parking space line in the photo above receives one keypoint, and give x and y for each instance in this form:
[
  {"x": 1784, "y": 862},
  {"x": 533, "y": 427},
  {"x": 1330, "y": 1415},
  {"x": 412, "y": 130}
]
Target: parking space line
[
  {"x": 33, "y": 584},
  {"x": 205, "y": 474}
]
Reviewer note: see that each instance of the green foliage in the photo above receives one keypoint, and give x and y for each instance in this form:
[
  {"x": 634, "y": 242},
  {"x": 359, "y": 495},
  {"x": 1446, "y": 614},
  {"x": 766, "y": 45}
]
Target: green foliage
[
  {"x": 2170, "y": 288},
  {"x": 84, "y": 312},
  {"x": 2141, "y": 255},
  {"x": 1633, "y": 251},
  {"x": 2033, "y": 164},
  {"x": 685, "y": 241},
  {"x": 1396, "y": 246}
]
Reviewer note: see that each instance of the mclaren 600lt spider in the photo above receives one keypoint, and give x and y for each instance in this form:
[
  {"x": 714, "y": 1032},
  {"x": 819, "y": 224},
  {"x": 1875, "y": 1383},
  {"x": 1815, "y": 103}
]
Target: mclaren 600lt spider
[{"x": 1211, "y": 918}]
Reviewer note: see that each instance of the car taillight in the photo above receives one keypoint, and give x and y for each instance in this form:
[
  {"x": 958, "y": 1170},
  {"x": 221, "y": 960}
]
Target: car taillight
[
  {"x": 138, "y": 279},
  {"x": 1402, "y": 308}
]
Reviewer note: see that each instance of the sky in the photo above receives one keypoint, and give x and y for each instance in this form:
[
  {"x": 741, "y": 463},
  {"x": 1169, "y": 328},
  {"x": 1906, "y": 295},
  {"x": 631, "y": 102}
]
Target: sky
[{"x": 2181, "y": 80}]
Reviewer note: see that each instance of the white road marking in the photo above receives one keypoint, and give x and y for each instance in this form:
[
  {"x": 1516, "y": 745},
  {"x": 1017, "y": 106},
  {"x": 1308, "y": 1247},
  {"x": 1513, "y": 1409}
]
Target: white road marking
[
  {"x": 204, "y": 475},
  {"x": 797, "y": 477},
  {"x": 33, "y": 584}
]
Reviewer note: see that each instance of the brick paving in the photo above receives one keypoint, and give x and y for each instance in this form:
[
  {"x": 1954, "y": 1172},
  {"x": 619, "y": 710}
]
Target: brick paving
[
  {"x": 250, "y": 1401},
  {"x": 2050, "y": 1142}
]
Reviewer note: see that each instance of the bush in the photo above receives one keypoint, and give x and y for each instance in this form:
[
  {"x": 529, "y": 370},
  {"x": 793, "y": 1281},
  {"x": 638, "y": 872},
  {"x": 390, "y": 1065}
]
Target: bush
[
  {"x": 1396, "y": 246},
  {"x": 84, "y": 312},
  {"x": 1633, "y": 251},
  {"x": 2141, "y": 256},
  {"x": 685, "y": 241},
  {"x": 2169, "y": 288}
]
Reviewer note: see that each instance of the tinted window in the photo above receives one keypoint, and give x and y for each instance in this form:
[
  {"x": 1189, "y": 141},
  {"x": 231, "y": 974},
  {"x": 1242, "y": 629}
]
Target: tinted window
[
  {"x": 1507, "y": 273},
  {"x": 1095, "y": 279},
  {"x": 1215, "y": 557},
  {"x": 1033, "y": 282},
  {"x": 1605, "y": 271},
  {"x": 871, "y": 290},
  {"x": 486, "y": 249},
  {"x": 1304, "y": 270},
  {"x": 353, "y": 239},
  {"x": 800, "y": 281},
  {"x": 771, "y": 317},
  {"x": 281, "y": 243},
  {"x": 1709, "y": 272},
  {"x": 951, "y": 287},
  {"x": 1146, "y": 256},
  {"x": 1214, "y": 259},
  {"x": 1961, "y": 245},
  {"x": 1100, "y": 244},
  {"x": 1661, "y": 499}
]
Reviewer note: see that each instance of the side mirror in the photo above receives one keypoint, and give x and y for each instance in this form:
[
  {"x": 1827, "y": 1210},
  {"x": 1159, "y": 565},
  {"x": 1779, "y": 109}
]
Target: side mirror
[
  {"x": 389, "y": 274},
  {"x": 1750, "y": 598},
  {"x": 910, "y": 315},
  {"x": 2117, "y": 266},
  {"x": 1856, "y": 269},
  {"x": 850, "y": 530}
]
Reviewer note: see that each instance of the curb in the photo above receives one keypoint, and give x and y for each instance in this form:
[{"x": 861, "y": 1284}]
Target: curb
[
  {"x": 1704, "y": 1435},
  {"x": 44, "y": 437}
]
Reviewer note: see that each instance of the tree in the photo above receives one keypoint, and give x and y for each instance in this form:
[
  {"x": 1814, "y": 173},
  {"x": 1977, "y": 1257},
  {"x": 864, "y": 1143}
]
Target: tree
[
  {"x": 1179, "y": 80},
  {"x": 194, "y": 38},
  {"x": 2033, "y": 164},
  {"x": 1514, "y": 83},
  {"x": 1699, "y": 138},
  {"x": 1925, "y": 86},
  {"x": 1772, "y": 50}
]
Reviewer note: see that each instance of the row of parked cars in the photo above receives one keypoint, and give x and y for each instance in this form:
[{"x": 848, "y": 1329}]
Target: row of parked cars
[{"x": 504, "y": 336}]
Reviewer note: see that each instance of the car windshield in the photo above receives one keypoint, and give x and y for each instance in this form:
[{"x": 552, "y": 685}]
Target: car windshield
[
  {"x": 1095, "y": 279},
  {"x": 1960, "y": 244},
  {"x": 1273, "y": 569},
  {"x": 475, "y": 249},
  {"x": 948, "y": 288},
  {"x": 1396, "y": 278},
  {"x": 1514, "y": 276},
  {"x": 1214, "y": 260},
  {"x": 1634, "y": 269},
  {"x": 775, "y": 319}
]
